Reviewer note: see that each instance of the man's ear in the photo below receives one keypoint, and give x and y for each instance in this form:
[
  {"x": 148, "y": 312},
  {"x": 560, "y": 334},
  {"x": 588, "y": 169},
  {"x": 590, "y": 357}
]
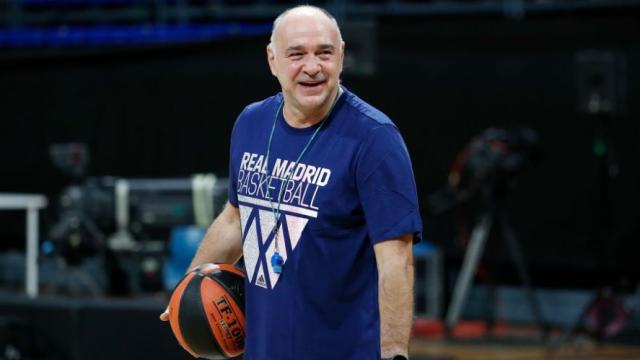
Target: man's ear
[
  {"x": 271, "y": 58},
  {"x": 342, "y": 45}
]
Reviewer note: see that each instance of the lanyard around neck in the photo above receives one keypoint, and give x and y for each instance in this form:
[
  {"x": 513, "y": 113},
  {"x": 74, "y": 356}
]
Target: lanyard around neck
[{"x": 276, "y": 209}]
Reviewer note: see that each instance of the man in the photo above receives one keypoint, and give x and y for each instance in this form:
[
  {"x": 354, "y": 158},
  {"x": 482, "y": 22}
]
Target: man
[{"x": 323, "y": 207}]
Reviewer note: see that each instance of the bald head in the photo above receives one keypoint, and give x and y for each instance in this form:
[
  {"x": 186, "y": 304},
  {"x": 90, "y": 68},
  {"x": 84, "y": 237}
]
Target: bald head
[{"x": 302, "y": 11}]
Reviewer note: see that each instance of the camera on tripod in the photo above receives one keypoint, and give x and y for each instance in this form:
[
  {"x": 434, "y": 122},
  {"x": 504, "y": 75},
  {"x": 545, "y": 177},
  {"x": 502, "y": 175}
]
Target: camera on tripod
[{"x": 490, "y": 160}]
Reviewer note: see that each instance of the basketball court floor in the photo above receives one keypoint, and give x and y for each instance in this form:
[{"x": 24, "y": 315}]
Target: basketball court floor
[{"x": 577, "y": 350}]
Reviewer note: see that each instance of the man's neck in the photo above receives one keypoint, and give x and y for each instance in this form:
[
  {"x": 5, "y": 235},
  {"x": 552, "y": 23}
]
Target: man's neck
[{"x": 298, "y": 118}]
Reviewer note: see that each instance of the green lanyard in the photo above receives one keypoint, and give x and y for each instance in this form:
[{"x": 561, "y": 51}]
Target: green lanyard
[{"x": 276, "y": 260}]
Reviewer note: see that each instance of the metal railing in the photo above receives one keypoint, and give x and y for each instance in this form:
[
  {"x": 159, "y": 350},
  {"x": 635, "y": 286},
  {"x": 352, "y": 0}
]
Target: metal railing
[
  {"x": 27, "y": 13},
  {"x": 42, "y": 22}
]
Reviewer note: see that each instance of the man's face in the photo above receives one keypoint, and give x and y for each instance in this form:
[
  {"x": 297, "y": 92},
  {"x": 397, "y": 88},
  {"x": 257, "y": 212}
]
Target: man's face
[{"x": 307, "y": 59}]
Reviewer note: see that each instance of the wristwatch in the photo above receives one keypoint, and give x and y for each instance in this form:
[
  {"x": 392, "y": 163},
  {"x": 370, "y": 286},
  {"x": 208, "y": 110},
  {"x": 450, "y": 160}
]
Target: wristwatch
[{"x": 397, "y": 357}]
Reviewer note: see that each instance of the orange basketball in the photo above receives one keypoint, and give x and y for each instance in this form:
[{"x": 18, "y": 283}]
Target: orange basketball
[{"x": 206, "y": 313}]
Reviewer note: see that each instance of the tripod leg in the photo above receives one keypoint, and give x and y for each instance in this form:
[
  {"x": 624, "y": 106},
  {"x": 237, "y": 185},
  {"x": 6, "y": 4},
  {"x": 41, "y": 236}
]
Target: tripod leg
[
  {"x": 518, "y": 259},
  {"x": 472, "y": 256}
]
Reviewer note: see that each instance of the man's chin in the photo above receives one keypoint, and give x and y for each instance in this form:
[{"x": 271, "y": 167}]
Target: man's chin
[{"x": 312, "y": 101}]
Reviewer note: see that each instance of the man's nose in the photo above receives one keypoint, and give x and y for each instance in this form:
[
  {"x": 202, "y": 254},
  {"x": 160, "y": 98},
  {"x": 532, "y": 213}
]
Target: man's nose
[{"x": 312, "y": 66}]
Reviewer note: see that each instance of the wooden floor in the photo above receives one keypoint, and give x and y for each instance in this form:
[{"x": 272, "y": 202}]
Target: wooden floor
[{"x": 577, "y": 349}]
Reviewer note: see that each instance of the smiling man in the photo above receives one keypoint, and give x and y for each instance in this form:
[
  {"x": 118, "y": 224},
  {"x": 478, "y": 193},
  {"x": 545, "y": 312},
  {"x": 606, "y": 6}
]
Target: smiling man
[
  {"x": 323, "y": 207},
  {"x": 306, "y": 54}
]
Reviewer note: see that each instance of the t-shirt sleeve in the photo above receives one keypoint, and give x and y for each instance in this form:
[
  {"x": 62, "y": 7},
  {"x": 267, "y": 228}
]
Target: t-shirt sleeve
[
  {"x": 232, "y": 193},
  {"x": 387, "y": 187}
]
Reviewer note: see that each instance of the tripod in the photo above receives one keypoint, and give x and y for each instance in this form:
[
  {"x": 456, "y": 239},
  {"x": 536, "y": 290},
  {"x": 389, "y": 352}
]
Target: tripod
[{"x": 495, "y": 214}]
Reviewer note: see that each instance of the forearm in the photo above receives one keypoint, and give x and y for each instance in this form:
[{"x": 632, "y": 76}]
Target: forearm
[
  {"x": 396, "y": 276},
  {"x": 223, "y": 241}
]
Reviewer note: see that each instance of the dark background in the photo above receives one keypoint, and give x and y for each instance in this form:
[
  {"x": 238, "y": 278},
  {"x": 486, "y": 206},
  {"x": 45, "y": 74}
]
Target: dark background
[{"x": 167, "y": 111}]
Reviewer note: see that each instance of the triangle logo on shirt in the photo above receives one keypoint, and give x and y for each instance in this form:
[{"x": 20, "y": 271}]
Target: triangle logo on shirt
[{"x": 260, "y": 282}]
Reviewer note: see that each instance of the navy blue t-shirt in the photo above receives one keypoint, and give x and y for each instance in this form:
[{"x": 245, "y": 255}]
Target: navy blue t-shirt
[{"x": 353, "y": 188}]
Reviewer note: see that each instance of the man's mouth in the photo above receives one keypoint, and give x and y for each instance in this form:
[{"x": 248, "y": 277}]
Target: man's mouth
[{"x": 311, "y": 84}]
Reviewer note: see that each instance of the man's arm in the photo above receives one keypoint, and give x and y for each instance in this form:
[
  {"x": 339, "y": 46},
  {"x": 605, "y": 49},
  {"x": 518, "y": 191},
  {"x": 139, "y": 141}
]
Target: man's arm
[
  {"x": 222, "y": 243},
  {"x": 395, "y": 286}
]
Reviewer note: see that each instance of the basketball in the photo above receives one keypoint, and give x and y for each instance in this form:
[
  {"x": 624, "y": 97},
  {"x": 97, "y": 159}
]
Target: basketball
[{"x": 206, "y": 312}]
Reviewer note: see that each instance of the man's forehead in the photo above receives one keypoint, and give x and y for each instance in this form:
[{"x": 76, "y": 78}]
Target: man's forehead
[{"x": 303, "y": 24}]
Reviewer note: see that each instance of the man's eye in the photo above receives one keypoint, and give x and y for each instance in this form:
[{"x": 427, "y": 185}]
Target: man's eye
[{"x": 295, "y": 55}]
